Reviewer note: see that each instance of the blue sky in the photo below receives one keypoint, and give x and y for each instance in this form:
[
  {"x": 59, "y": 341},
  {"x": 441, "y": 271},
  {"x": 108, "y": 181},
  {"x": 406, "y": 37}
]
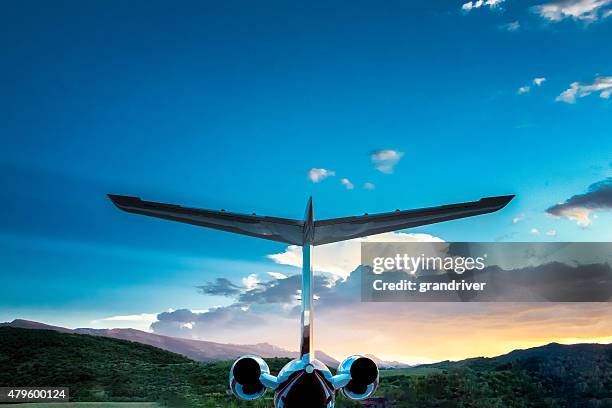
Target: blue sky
[{"x": 228, "y": 105}]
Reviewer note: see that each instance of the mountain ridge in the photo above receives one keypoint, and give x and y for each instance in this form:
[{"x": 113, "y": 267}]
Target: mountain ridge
[
  {"x": 98, "y": 368},
  {"x": 198, "y": 350},
  {"x": 558, "y": 349}
]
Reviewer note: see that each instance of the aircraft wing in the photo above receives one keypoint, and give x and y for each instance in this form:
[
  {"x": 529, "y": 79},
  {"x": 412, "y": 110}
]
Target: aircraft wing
[
  {"x": 275, "y": 229},
  {"x": 340, "y": 229}
]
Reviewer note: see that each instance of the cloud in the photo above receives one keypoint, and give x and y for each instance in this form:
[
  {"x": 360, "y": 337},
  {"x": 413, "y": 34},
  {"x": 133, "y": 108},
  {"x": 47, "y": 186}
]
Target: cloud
[
  {"x": 225, "y": 287},
  {"x": 538, "y": 81},
  {"x": 270, "y": 313},
  {"x": 523, "y": 90},
  {"x": 212, "y": 324},
  {"x": 580, "y": 207},
  {"x": 284, "y": 291},
  {"x": 315, "y": 174},
  {"x": 220, "y": 287},
  {"x": 250, "y": 282},
  {"x": 583, "y": 10},
  {"x": 579, "y": 214},
  {"x": 385, "y": 160},
  {"x": 601, "y": 84},
  {"x": 534, "y": 231},
  {"x": 277, "y": 275},
  {"x": 146, "y": 318},
  {"x": 267, "y": 309},
  {"x": 340, "y": 258},
  {"x": 369, "y": 186},
  {"x": 518, "y": 218},
  {"x": 512, "y": 26},
  {"x": 462, "y": 329},
  {"x": 347, "y": 183},
  {"x": 141, "y": 321},
  {"x": 551, "y": 233},
  {"x": 142, "y": 317},
  {"x": 470, "y": 5}
]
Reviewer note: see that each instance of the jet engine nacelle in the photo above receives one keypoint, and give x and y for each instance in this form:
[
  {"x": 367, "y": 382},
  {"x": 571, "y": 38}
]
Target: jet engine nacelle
[
  {"x": 246, "y": 377},
  {"x": 363, "y": 374}
]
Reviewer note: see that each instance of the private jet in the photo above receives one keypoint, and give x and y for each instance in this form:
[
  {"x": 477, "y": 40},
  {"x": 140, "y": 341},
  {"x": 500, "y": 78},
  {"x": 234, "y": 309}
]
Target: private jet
[{"x": 306, "y": 381}]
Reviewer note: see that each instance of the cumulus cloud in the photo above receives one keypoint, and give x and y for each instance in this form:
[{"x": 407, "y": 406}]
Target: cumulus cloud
[
  {"x": 268, "y": 309},
  {"x": 385, "y": 160},
  {"x": 347, "y": 183},
  {"x": 369, "y": 186},
  {"x": 551, "y": 233},
  {"x": 601, "y": 84},
  {"x": 281, "y": 289},
  {"x": 316, "y": 174},
  {"x": 580, "y": 207},
  {"x": 583, "y": 10},
  {"x": 250, "y": 282},
  {"x": 340, "y": 258},
  {"x": 470, "y": 5},
  {"x": 534, "y": 231},
  {"x": 363, "y": 327},
  {"x": 284, "y": 291},
  {"x": 518, "y": 218},
  {"x": 213, "y": 324},
  {"x": 225, "y": 287}
]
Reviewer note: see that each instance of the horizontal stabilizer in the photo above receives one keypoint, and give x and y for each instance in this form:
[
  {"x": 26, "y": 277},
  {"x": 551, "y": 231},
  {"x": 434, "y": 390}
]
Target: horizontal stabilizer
[
  {"x": 293, "y": 232},
  {"x": 340, "y": 229},
  {"x": 272, "y": 228}
]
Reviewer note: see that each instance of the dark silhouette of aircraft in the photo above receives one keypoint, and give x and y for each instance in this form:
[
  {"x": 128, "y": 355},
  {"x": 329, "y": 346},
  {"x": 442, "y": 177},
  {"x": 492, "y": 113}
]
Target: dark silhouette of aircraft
[{"x": 306, "y": 381}]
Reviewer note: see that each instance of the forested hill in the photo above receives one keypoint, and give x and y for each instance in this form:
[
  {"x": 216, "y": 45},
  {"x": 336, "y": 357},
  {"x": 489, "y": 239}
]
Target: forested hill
[
  {"x": 551, "y": 376},
  {"x": 580, "y": 357},
  {"x": 106, "y": 369}
]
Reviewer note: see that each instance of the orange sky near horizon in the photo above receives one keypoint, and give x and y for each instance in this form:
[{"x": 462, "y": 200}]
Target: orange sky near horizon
[{"x": 420, "y": 333}]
